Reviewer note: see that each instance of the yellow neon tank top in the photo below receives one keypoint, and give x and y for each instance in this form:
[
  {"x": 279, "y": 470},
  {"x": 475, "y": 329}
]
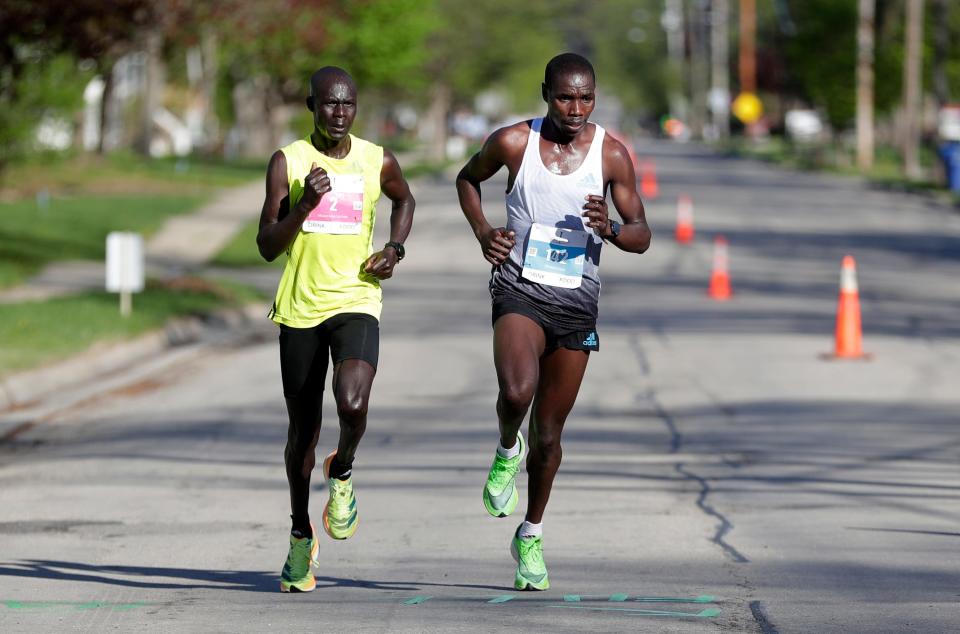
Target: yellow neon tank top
[{"x": 323, "y": 275}]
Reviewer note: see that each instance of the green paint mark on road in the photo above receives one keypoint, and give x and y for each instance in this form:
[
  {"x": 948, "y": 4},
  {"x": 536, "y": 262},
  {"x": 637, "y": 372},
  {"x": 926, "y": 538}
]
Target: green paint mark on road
[
  {"x": 27, "y": 605},
  {"x": 618, "y": 597},
  {"x": 502, "y": 598},
  {"x": 703, "y": 598},
  {"x": 571, "y": 598},
  {"x": 416, "y": 600},
  {"x": 703, "y": 614},
  {"x": 72, "y": 605}
]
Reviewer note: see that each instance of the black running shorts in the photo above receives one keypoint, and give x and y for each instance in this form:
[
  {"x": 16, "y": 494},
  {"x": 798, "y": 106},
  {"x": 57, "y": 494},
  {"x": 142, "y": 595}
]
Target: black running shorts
[
  {"x": 305, "y": 352},
  {"x": 576, "y": 338}
]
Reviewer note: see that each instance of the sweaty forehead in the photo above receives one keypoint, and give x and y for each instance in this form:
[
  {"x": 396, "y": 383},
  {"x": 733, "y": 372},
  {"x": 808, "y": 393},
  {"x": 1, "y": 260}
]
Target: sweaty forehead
[
  {"x": 576, "y": 80},
  {"x": 333, "y": 85}
]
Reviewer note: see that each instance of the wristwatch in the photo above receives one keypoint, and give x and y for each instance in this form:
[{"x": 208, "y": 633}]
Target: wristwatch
[
  {"x": 614, "y": 230},
  {"x": 398, "y": 247}
]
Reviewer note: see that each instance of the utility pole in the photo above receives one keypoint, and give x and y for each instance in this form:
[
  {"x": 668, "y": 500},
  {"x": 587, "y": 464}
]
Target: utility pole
[
  {"x": 941, "y": 48},
  {"x": 698, "y": 67},
  {"x": 747, "y": 106},
  {"x": 719, "y": 70},
  {"x": 673, "y": 24},
  {"x": 865, "y": 46},
  {"x": 911, "y": 89},
  {"x": 748, "y": 46}
]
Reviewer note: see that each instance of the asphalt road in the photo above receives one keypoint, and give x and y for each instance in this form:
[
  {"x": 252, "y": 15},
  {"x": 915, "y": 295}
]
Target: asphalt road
[{"x": 719, "y": 473}]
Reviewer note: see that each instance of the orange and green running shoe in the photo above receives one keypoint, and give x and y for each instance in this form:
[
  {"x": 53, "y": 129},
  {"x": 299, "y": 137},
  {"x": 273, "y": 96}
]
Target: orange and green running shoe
[
  {"x": 531, "y": 570},
  {"x": 297, "y": 575},
  {"x": 500, "y": 492},
  {"x": 340, "y": 514}
]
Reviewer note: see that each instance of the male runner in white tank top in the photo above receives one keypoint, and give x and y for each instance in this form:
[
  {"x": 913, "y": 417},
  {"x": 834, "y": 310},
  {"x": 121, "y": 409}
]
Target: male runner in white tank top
[{"x": 544, "y": 283}]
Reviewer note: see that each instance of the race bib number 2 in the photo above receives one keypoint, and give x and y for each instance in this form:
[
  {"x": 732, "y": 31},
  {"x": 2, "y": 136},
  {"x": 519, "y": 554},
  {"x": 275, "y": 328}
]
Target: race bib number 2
[
  {"x": 340, "y": 211},
  {"x": 555, "y": 256}
]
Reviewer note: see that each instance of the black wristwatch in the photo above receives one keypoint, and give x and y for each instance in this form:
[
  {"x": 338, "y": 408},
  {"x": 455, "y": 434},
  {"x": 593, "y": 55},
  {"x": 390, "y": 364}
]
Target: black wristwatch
[
  {"x": 614, "y": 230},
  {"x": 398, "y": 247}
]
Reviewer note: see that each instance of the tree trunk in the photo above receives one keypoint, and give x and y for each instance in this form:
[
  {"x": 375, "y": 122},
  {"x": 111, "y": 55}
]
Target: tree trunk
[
  {"x": 106, "y": 70},
  {"x": 211, "y": 67},
  {"x": 865, "y": 46},
  {"x": 152, "y": 92},
  {"x": 436, "y": 120},
  {"x": 911, "y": 89}
]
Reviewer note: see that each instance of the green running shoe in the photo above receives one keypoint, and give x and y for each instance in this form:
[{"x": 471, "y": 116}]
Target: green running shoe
[
  {"x": 531, "y": 571},
  {"x": 340, "y": 514},
  {"x": 297, "y": 575},
  {"x": 500, "y": 492}
]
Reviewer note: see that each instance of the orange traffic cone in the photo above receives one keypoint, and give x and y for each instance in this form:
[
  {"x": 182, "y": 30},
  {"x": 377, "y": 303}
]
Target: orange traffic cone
[
  {"x": 849, "y": 342},
  {"x": 720, "y": 278},
  {"x": 684, "y": 231},
  {"x": 648, "y": 180}
]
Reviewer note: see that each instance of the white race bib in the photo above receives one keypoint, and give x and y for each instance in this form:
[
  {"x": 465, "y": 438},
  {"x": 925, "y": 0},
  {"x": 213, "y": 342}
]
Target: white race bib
[
  {"x": 340, "y": 211},
  {"x": 555, "y": 256}
]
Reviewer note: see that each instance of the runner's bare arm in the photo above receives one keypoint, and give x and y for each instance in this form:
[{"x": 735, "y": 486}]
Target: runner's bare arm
[
  {"x": 395, "y": 187},
  {"x": 278, "y": 226},
  {"x": 500, "y": 149},
  {"x": 634, "y": 233}
]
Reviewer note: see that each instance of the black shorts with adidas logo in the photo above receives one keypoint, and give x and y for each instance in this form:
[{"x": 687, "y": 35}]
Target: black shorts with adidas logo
[{"x": 576, "y": 337}]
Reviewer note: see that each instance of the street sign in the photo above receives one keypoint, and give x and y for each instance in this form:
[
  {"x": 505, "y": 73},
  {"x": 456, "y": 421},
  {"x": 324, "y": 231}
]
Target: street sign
[
  {"x": 747, "y": 107},
  {"x": 125, "y": 273}
]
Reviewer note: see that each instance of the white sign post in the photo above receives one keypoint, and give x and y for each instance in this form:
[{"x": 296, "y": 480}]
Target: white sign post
[{"x": 124, "y": 266}]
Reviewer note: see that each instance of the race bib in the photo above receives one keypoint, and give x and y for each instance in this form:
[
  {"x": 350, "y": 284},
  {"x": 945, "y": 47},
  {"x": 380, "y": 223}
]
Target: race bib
[
  {"x": 340, "y": 211},
  {"x": 555, "y": 256}
]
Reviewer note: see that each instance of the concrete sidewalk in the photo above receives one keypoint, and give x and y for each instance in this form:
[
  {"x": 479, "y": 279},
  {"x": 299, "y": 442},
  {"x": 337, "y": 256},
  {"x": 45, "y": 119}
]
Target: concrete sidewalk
[{"x": 184, "y": 243}]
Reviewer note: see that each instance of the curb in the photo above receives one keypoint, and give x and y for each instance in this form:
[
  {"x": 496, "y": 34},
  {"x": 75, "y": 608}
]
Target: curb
[{"x": 26, "y": 389}]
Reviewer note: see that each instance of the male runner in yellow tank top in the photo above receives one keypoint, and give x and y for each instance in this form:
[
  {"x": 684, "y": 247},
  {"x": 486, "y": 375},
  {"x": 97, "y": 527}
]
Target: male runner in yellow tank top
[{"x": 320, "y": 210}]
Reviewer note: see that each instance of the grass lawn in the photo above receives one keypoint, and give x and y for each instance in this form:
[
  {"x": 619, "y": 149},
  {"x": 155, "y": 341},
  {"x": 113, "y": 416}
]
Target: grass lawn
[
  {"x": 34, "y": 333},
  {"x": 76, "y": 228},
  {"x": 122, "y": 173},
  {"x": 65, "y": 208},
  {"x": 242, "y": 250},
  {"x": 887, "y": 168}
]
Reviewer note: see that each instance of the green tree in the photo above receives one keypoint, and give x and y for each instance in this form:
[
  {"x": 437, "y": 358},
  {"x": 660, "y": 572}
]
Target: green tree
[
  {"x": 629, "y": 50},
  {"x": 383, "y": 43},
  {"x": 487, "y": 44},
  {"x": 821, "y": 56},
  {"x": 41, "y": 45}
]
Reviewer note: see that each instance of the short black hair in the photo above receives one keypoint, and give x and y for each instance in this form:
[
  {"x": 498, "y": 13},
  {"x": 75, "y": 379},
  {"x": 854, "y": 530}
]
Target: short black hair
[
  {"x": 327, "y": 73},
  {"x": 567, "y": 63}
]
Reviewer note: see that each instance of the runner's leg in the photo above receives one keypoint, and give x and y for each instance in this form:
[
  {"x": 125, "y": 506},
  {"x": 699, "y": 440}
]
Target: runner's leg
[
  {"x": 518, "y": 342},
  {"x": 352, "y": 382},
  {"x": 354, "y": 346},
  {"x": 561, "y": 372},
  {"x": 303, "y": 356}
]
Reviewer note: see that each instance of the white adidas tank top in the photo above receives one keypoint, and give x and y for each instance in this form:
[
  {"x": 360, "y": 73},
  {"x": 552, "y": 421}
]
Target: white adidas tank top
[{"x": 543, "y": 197}]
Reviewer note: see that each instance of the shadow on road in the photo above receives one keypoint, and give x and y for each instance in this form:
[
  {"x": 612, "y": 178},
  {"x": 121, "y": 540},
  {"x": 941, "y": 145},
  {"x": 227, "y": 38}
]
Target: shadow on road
[
  {"x": 194, "y": 579},
  {"x": 131, "y": 576}
]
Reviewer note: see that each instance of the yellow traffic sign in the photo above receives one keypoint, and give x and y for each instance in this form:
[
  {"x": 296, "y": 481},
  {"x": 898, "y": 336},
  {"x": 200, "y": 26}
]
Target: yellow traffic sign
[{"x": 747, "y": 107}]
